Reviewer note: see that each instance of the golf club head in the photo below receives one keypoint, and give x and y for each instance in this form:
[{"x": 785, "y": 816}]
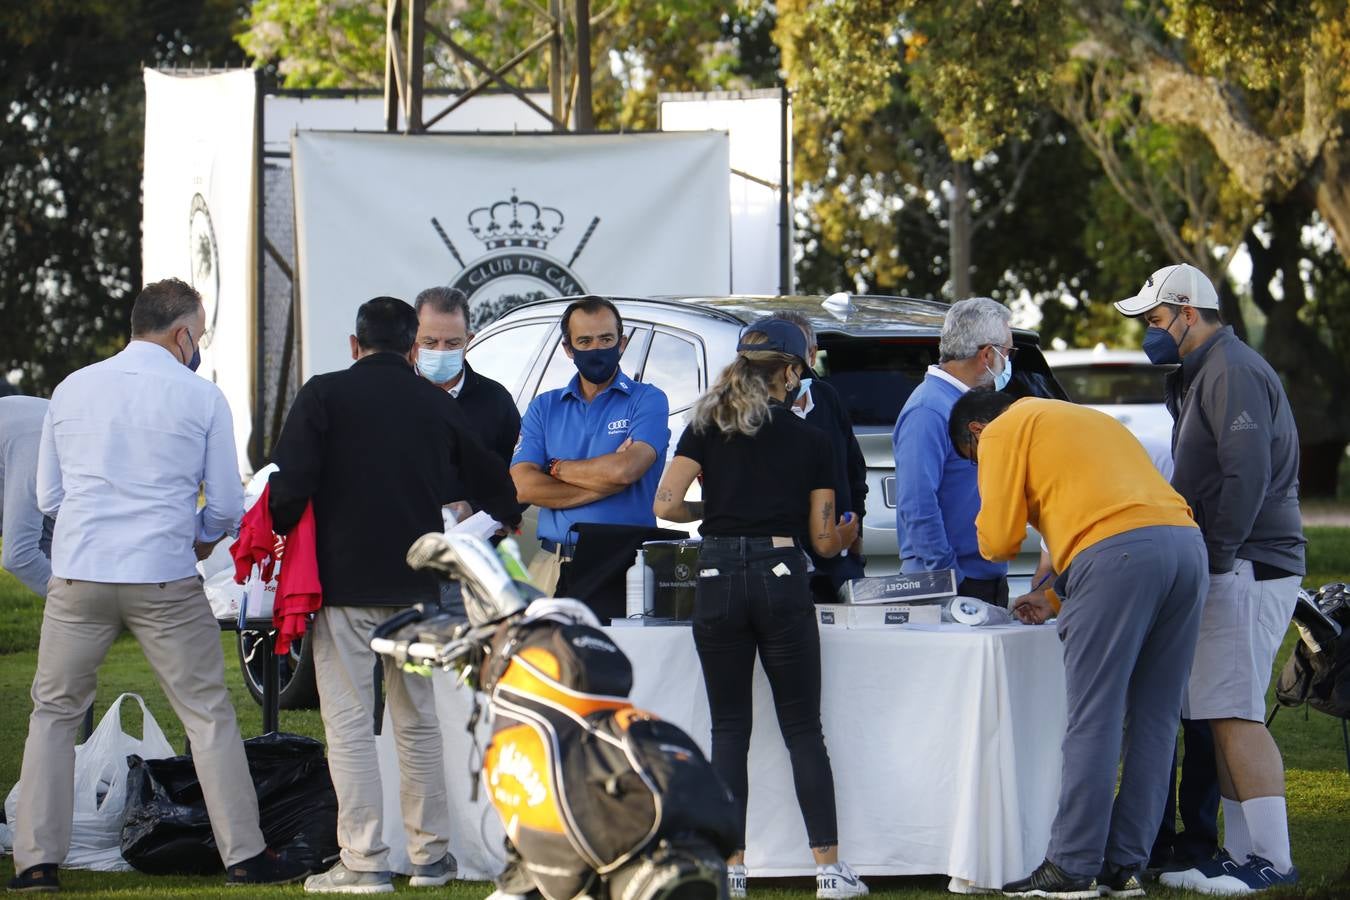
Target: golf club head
[{"x": 488, "y": 591}]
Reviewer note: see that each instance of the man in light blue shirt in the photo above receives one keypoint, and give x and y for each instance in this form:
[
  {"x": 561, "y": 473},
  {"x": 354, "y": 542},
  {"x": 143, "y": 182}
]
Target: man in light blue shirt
[
  {"x": 27, "y": 532},
  {"x": 588, "y": 452},
  {"x": 127, "y": 445},
  {"x": 936, "y": 494}
]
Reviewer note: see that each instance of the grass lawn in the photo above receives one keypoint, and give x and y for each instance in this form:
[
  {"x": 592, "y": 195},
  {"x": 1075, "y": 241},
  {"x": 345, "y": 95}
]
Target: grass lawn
[{"x": 1318, "y": 785}]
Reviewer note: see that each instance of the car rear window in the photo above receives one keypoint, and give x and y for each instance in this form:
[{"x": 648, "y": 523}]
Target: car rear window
[
  {"x": 1106, "y": 384},
  {"x": 875, "y": 376}
]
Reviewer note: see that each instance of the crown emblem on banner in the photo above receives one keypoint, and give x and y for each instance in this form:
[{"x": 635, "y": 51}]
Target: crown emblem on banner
[{"x": 515, "y": 223}]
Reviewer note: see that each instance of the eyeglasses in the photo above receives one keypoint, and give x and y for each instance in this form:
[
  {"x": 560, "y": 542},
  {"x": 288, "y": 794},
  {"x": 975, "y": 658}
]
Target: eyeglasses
[{"x": 1006, "y": 352}]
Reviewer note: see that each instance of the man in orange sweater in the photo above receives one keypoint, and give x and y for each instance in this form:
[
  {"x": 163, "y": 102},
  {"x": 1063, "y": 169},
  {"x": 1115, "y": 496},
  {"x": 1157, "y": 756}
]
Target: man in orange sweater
[{"x": 1133, "y": 584}]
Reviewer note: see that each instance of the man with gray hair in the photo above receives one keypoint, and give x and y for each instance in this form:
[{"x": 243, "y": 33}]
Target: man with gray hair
[
  {"x": 127, "y": 446},
  {"x": 443, "y": 334},
  {"x": 936, "y": 494}
]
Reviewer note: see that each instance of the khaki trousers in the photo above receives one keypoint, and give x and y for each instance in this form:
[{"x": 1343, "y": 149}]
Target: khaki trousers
[
  {"x": 181, "y": 640},
  {"x": 344, "y": 666},
  {"x": 544, "y": 570}
]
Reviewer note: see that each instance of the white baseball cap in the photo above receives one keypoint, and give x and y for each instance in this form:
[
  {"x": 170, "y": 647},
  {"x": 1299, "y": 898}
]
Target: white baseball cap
[{"x": 1179, "y": 285}]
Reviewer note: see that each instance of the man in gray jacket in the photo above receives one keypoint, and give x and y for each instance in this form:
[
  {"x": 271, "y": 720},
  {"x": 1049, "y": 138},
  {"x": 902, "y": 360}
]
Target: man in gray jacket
[{"x": 1236, "y": 453}]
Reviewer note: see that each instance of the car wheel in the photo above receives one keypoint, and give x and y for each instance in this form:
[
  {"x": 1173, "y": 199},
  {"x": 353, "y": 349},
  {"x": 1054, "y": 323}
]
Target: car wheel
[{"x": 295, "y": 669}]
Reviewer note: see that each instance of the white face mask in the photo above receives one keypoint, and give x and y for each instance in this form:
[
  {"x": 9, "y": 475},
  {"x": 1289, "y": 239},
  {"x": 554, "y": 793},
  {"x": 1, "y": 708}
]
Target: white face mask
[
  {"x": 1004, "y": 375},
  {"x": 440, "y": 366}
]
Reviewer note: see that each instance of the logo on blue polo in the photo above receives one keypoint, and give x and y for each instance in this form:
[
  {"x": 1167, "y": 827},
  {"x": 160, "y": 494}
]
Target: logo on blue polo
[{"x": 618, "y": 426}]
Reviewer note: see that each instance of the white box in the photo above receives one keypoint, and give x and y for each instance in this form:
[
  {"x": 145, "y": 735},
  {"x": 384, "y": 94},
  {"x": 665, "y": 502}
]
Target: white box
[{"x": 891, "y": 615}]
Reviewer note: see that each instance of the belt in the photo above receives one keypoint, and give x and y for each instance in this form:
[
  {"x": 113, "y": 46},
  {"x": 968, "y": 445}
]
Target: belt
[{"x": 751, "y": 543}]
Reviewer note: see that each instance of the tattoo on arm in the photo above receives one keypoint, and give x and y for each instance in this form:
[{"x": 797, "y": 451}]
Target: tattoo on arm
[{"x": 665, "y": 495}]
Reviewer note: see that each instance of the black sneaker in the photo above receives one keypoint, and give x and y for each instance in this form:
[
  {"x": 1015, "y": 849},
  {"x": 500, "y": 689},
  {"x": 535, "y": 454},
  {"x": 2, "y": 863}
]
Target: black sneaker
[
  {"x": 1119, "y": 881},
  {"x": 1049, "y": 880},
  {"x": 39, "y": 879},
  {"x": 268, "y": 867}
]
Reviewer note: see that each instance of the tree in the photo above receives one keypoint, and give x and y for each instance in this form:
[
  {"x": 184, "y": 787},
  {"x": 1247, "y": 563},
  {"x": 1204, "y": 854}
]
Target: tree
[
  {"x": 70, "y": 161},
  {"x": 1206, "y": 118},
  {"x": 639, "y": 47},
  {"x": 883, "y": 186}
]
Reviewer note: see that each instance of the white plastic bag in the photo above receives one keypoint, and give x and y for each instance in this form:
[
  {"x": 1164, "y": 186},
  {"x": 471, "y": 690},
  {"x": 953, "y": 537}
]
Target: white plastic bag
[
  {"x": 101, "y": 788},
  {"x": 259, "y": 595}
]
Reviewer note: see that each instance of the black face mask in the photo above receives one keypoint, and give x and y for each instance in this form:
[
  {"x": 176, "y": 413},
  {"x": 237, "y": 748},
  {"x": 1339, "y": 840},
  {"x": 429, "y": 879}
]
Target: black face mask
[
  {"x": 597, "y": 366},
  {"x": 790, "y": 394}
]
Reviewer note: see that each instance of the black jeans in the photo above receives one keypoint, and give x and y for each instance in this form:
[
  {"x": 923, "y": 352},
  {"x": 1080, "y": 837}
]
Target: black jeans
[
  {"x": 991, "y": 590},
  {"x": 753, "y": 597},
  {"x": 1198, "y": 801}
]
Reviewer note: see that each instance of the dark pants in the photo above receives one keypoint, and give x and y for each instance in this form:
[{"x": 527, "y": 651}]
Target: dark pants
[
  {"x": 993, "y": 591},
  {"x": 832, "y": 573},
  {"x": 753, "y": 597},
  {"x": 1198, "y": 800}
]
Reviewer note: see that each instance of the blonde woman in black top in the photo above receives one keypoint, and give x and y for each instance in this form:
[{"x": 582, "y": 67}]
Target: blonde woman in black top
[{"x": 768, "y": 490}]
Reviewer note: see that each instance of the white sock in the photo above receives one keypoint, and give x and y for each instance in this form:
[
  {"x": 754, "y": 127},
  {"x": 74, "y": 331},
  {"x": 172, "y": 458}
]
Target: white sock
[
  {"x": 1268, "y": 825},
  {"x": 1236, "y": 840}
]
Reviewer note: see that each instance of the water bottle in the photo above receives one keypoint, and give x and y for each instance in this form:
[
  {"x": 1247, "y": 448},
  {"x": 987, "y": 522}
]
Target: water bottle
[{"x": 639, "y": 586}]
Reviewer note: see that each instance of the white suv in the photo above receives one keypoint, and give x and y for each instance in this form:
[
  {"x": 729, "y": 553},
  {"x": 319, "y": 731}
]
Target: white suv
[{"x": 873, "y": 351}]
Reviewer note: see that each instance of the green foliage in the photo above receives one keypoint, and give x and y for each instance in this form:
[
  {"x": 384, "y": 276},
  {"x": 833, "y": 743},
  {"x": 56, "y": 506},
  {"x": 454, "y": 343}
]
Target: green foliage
[
  {"x": 639, "y": 47},
  {"x": 70, "y": 160}
]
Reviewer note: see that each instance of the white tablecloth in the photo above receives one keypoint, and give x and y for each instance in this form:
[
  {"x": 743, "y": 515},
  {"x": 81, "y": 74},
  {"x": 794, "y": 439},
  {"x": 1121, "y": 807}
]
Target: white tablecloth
[{"x": 945, "y": 744}]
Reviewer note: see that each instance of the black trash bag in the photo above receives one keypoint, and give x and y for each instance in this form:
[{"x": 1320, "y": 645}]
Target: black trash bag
[{"x": 167, "y": 831}]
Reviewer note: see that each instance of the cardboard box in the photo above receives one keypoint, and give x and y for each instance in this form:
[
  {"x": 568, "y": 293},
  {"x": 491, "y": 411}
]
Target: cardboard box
[
  {"x": 889, "y": 589},
  {"x": 674, "y": 566},
  {"x": 889, "y": 615}
]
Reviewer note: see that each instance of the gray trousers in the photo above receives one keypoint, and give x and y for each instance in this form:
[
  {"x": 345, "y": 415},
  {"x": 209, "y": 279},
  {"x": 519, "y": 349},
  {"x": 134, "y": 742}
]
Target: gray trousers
[
  {"x": 181, "y": 641},
  {"x": 344, "y": 666},
  {"x": 1128, "y": 627}
]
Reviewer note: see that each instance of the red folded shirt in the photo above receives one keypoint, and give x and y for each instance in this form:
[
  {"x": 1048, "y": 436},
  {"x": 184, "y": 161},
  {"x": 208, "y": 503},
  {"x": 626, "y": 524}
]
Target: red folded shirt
[{"x": 299, "y": 592}]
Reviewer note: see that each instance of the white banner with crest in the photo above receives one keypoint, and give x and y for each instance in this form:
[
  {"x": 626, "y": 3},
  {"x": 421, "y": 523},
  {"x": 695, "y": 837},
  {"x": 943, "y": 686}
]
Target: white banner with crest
[{"x": 506, "y": 218}]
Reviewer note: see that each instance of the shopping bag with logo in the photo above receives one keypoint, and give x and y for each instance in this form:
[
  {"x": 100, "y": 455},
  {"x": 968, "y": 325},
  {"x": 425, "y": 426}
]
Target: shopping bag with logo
[{"x": 100, "y": 787}]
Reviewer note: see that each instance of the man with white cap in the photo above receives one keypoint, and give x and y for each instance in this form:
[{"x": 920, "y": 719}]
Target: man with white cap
[{"x": 1236, "y": 454}]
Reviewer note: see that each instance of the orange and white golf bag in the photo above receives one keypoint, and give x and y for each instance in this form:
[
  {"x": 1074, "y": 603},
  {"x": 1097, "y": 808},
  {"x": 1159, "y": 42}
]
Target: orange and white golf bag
[{"x": 597, "y": 797}]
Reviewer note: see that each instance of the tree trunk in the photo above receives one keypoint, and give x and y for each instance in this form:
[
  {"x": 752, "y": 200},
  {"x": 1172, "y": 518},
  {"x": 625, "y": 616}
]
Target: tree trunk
[
  {"x": 1329, "y": 186},
  {"x": 959, "y": 230},
  {"x": 1314, "y": 374}
]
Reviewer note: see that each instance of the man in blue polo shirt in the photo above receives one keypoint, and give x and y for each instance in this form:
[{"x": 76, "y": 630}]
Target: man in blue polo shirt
[
  {"x": 588, "y": 452},
  {"x": 936, "y": 494}
]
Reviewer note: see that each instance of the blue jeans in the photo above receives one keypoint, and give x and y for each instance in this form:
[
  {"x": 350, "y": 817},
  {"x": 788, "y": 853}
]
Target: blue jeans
[{"x": 753, "y": 598}]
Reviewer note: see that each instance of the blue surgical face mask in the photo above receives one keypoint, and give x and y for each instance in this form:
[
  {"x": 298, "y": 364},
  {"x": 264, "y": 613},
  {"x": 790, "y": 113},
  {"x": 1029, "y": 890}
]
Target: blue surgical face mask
[
  {"x": 806, "y": 386},
  {"x": 440, "y": 366},
  {"x": 1004, "y": 375},
  {"x": 597, "y": 366},
  {"x": 195, "y": 360},
  {"x": 1159, "y": 345}
]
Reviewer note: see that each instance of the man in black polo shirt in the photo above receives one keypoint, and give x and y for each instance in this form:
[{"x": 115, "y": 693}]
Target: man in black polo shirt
[
  {"x": 442, "y": 335},
  {"x": 379, "y": 450}
]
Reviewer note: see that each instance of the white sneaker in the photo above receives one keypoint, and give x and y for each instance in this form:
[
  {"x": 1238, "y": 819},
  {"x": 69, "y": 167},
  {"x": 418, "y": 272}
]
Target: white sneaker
[
  {"x": 736, "y": 876},
  {"x": 837, "y": 881}
]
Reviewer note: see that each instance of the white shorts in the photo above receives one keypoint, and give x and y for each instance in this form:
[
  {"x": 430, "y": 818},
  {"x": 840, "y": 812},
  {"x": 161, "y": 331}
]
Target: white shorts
[{"x": 1241, "y": 628}]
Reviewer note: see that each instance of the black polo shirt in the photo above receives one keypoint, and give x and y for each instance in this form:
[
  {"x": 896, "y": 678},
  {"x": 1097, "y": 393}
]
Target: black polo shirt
[{"x": 491, "y": 412}]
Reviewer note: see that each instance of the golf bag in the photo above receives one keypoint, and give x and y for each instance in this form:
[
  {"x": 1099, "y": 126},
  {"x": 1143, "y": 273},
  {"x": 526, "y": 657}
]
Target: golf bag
[
  {"x": 1318, "y": 670},
  {"x": 597, "y": 797}
]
